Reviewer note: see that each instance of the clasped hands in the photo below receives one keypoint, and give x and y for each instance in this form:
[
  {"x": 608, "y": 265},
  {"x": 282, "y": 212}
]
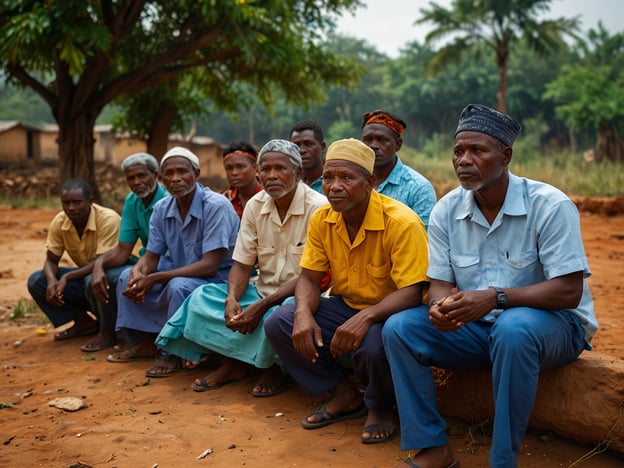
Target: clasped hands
[{"x": 451, "y": 312}]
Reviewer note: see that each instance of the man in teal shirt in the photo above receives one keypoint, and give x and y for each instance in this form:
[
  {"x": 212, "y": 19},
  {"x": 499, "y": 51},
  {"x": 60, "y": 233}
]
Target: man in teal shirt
[
  {"x": 141, "y": 171},
  {"x": 382, "y": 131}
]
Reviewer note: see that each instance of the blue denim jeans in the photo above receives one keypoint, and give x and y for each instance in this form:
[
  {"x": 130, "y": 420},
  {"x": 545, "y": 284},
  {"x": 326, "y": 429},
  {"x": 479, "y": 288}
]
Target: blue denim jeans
[{"x": 520, "y": 343}]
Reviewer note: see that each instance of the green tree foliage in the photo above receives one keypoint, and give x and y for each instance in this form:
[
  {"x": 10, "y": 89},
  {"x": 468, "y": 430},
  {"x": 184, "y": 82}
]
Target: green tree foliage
[
  {"x": 477, "y": 26},
  {"x": 80, "y": 55},
  {"x": 590, "y": 93}
]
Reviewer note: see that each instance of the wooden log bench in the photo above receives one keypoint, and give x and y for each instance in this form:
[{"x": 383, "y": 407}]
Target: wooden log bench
[{"x": 583, "y": 400}]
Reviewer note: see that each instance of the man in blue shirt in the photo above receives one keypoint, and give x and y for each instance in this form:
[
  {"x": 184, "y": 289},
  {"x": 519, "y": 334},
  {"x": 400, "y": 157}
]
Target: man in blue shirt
[
  {"x": 508, "y": 291},
  {"x": 382, "y": 131},
  {"x": 141, "y": 171},
  {"x": 191, "y": 238}
]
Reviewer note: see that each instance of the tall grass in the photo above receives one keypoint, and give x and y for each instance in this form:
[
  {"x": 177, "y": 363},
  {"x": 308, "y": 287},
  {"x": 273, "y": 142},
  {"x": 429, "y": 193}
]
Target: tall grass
[{"x": 568, "y": 172}]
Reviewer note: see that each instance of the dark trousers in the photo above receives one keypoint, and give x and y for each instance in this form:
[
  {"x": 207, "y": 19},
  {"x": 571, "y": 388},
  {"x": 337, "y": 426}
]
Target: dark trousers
[
  {"x": 369, "y": 361},
  {"x": 78, "y": 298}
]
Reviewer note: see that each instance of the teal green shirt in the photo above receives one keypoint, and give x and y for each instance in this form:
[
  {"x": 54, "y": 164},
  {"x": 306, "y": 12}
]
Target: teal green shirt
[{"x": 135, "y": 218}]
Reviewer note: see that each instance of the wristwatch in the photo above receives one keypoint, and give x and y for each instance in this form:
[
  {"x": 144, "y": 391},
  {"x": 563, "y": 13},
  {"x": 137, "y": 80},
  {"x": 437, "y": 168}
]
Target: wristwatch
[{"x": 501, "y": 297}]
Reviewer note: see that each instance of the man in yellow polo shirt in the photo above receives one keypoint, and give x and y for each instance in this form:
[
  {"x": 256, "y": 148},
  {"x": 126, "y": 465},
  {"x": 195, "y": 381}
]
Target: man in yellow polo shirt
[{"x": 376, "y": 249}]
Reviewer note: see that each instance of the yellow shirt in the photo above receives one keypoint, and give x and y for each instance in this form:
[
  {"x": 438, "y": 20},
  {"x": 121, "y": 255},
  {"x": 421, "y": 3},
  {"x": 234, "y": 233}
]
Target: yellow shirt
[
  {"x": 100, "y": 235},
  {"x": 388, "y": 253}
]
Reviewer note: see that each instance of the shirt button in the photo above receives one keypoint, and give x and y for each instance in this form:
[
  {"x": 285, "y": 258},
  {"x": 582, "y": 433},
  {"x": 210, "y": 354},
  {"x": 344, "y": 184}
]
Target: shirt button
[{"x": 492, "y": 264}]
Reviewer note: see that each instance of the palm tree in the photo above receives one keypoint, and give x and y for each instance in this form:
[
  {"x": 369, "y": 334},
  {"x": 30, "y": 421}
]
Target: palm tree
[{"x": 478, "y": 25}]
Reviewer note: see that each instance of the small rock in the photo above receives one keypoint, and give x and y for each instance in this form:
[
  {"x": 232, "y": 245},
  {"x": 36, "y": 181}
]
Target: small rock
[
  {"x": 67, "y": 403},
  {"x": 205, "y": 453}
]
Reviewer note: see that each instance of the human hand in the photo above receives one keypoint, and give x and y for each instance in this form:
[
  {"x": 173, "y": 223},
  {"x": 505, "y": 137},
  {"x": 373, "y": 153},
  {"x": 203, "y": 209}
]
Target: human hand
[
  {"x": 99, "y": 284},
  {"x": 306, "y": 336},
  {"x": 54, "y": 293},
  {"x": 247, "y": 321},
  {"x": 465, "y": 306},
  {"x": 349, "y": 335}
]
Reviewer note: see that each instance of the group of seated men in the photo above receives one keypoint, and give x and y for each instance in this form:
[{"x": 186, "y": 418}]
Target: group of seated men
[{"x": 337, "y": 268}]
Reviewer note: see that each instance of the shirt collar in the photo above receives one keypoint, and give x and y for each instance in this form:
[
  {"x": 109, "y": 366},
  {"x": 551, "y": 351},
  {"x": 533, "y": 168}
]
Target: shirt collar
[
  {"x": 195, "y": 210},
  {"x": 297, "y": 206},
  {"x": 394, "y": 177},
  {"x": 513, "y": 205},
  {"x": 373, "y": 219},
  {"x": 90, "y": 226}
]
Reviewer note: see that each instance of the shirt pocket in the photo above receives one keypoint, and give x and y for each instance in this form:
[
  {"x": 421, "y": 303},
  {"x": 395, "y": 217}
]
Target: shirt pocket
[
  {"x": 294, "y": 253},
  {"x": 467, "y": 270},
  {"x": 378, "y": 283},
  {"x": 522, "y": 267}
]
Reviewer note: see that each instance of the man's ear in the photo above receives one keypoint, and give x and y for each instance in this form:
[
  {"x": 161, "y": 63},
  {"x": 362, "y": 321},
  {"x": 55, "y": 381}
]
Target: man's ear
[
  {"x": 507, "y": 154},
  {"x": 398, "y": 143}
]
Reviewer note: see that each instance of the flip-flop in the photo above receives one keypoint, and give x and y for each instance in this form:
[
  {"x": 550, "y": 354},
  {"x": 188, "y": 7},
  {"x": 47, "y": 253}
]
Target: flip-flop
[
  {"x": 331, "y": 418},
  {"x": 279, "y": 385},
  {"x": 72, "y": 332},
  {"x": 169, "y": 364},
  {"x": 116, "y": 357},
  {"x": 98, "y": 343},
  {"x": 376, "y": 440},
  {"x": 410, "y": 463},
  {"x": 204, "y": 386}
]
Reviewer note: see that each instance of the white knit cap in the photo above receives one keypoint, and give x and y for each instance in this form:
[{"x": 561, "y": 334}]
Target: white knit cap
[{"x": 183, "y": 153}]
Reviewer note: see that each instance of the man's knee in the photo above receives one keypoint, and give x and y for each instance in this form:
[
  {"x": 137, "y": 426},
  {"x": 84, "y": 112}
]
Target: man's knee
[{"x": 274, "y": 323}]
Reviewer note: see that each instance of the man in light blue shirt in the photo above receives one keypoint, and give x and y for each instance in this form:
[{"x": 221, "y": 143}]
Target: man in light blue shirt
[
  {"x": 508, "y": 291},
  {"x": 191, "y": 238},
  {"x": 382, "y": 131}
]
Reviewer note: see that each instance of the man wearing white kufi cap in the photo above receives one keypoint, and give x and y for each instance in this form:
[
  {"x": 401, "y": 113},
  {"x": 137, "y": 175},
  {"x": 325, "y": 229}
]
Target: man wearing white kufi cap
[{"x": 191, "y": 238}]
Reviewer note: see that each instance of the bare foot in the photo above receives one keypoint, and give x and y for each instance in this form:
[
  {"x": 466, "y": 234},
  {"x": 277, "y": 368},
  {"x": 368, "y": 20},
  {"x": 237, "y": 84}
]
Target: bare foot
[
  {"x": 229, "y": 370},
  {"x": 380, "y": 426}
]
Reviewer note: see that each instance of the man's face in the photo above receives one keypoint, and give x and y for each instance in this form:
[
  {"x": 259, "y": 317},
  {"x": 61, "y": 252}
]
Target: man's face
[
  {"x": 76, "y": 205},
  {"x": 310, "y": 148},
  {"x": 383, "y": 141},
  {"x": 178, "y": 176},
  {"x": 479, "y": 160},
  {"x": 278, "y": 175},
  {"x": 141, "y": 180},
  {"x": 240, "y": 171},
  {"x": 345, "y": 185}
]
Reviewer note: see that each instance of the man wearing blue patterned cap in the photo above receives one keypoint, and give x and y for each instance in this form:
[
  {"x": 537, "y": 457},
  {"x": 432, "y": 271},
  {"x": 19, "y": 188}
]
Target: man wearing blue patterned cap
[
  {"x": 227, "y": 319},
  {"x": 508, "y": 292}
]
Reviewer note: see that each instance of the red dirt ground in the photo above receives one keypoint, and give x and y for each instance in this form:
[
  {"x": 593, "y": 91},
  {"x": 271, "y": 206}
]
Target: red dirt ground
[{"x": 132, "y": 421}]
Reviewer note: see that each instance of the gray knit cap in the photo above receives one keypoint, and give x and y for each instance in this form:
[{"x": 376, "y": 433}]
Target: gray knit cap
[
  {"x": 140, "y": 159},
  {"x": 482, "y": 119},
  {"x": 282, "y": 146}
]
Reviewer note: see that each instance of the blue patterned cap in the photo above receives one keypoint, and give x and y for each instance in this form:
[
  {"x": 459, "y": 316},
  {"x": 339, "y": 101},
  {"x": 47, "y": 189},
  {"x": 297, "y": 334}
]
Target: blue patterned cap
[{"x": 483, "y": 119}]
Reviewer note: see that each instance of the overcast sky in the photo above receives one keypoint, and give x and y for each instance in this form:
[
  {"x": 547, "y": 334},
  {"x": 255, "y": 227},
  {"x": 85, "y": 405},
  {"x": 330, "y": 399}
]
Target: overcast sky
[{"x": 389, "y": 24}]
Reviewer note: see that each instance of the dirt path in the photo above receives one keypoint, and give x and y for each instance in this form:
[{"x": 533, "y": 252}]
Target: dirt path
[{"x": 132, "y": 421}]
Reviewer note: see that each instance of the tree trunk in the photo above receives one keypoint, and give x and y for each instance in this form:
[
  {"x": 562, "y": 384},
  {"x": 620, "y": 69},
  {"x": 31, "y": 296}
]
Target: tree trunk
[
  {"x": 76, "y": 143},
  {"x": 158, "y": 138},
  {"x": 502, "y": 57}
]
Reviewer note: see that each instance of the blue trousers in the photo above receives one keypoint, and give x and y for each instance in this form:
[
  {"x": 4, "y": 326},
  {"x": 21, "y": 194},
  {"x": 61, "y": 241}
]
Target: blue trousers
[
  {"x": 78, "y": 298},
  {"x": 521, "y": 342},
  {"x": 369, "y": 360}
]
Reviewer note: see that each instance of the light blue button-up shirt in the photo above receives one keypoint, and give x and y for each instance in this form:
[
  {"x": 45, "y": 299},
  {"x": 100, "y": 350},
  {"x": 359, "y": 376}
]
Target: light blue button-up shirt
[
  {"x": 410, "y": 188},
  {"x": 535, "y": 237},
  {"x": 210, "y": 224}
]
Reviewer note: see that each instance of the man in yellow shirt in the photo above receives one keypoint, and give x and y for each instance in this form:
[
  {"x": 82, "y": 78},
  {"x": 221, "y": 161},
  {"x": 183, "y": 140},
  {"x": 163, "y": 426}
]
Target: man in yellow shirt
[
  {"x": 84, "y": 230},
  {"x": 376, "y": 249}
]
